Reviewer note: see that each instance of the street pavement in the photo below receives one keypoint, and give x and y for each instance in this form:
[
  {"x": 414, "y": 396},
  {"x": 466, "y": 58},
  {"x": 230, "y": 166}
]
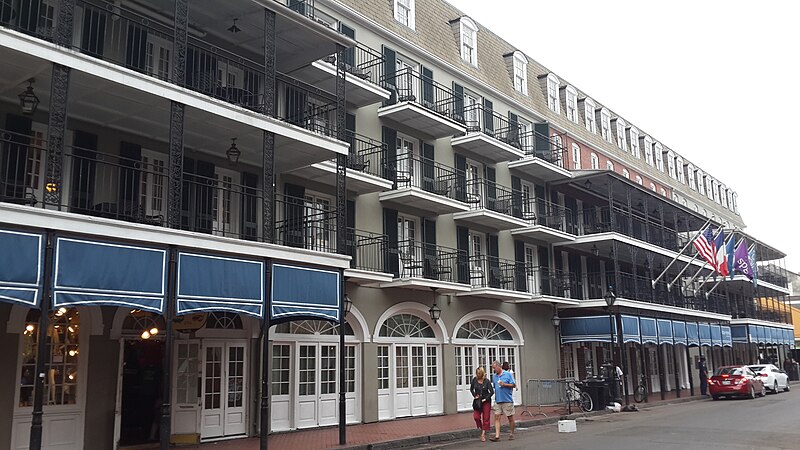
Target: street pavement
[{"x": 762, "y": 423}]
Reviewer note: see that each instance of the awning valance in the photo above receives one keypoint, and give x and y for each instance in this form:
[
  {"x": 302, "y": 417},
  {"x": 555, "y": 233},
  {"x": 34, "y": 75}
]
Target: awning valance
[
  {"x": 649, "y": 331},
  {"x": 630, "y": 329},
  {"x": 692, "y": 333},
  {"x": 216, "y": 283},
  {"x": 304, "y": 292},
  {"x": 716, "y": 335},
  {"x": 726, "y": 336},
  {"x": 21, "y": 267},
  {"x": 102, "y": 273},
  {"x": 705, "y": 334},
  {"x": 664, "y": 328},
  {"x": 679, "y": 331}
]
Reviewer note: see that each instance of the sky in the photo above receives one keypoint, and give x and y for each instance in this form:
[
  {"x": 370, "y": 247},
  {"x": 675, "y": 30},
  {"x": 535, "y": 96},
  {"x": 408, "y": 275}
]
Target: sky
[{"x": 714, "y": 80}]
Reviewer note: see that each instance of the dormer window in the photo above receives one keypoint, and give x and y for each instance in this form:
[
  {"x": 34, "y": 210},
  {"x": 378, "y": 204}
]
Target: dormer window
[
  {"x": 588, "y": 116},
  {"x": 662, "y": 191},
  {"x": 679, "y": 167},
  {"x": 572, "y": 103},
  {"x": 552, "y": 93},
  {"x": 648, "y": 150},
  {"x": 658, "y": 149},
  {"x": 633, "y": 138},
  {"x": 520, "y": 69},
  {"x": 734, "y": 202},
  {"x": 620, "y": 130},
  {"x": 605, "y": 125},
  {"x": 469, "y": 41},
  {"x": 671, "y": 164},
  {"x": 690, "y": 176},
  {"x": 404, "y": 12}
]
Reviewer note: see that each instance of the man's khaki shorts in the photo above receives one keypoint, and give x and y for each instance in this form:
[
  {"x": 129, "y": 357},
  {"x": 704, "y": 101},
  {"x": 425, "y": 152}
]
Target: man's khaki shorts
[{"x": 506, "y": 408}]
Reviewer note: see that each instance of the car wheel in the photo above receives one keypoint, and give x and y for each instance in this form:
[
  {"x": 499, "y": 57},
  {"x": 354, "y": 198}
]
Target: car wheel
[
  {"x": 787, "y": 388},
  {"x": 775, "y": 387},
  {"x": 752, "y": 393},
  {"x": 715, "y": 397},
  {"x": 764, "y": 390}
]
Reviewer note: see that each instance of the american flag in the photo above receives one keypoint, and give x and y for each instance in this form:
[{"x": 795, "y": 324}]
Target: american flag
[{"x": 704, "y": 243}]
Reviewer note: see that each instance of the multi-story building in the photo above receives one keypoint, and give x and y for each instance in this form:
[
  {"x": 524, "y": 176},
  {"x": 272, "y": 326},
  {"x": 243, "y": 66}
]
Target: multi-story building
[{"x": 240, "y": 172}]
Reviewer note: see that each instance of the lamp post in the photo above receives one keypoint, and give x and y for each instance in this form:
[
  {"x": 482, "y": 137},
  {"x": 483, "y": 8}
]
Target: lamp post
[{"x": 610, "y": 298}]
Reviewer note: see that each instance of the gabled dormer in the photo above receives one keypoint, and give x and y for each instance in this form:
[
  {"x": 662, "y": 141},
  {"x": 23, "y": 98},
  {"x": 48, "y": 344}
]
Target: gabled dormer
[
  {"x": 465, "y": 30},
  {"x": 517, "y": 65}
]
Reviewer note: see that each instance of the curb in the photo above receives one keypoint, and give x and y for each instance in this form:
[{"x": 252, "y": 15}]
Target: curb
[{"x": 466, "y": 434}]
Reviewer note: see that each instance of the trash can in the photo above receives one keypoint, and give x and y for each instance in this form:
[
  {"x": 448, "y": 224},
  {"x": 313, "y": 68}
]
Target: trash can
[{"x": 599, "y": 390}]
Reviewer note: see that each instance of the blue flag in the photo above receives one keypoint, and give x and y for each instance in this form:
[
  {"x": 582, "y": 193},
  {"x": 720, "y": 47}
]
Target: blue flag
[
  {"x": 730, "y": 250},
  {"x": 752, "y": 256}
]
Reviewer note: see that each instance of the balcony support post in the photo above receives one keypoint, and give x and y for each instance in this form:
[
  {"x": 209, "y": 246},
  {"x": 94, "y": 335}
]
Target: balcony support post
[
  {"x": 341, "y": 226},
  {"x": 64, "y": 23},
  {"x": 56, "y": 131},
  {"x": 268, "y": 150},
  {"x": 630, "y": 211},
  {"x": 176, "y": 117}
]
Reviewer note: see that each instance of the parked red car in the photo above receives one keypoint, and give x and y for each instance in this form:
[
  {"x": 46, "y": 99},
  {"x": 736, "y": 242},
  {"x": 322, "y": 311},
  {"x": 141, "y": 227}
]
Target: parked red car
[{"x": 735, "y": 381}]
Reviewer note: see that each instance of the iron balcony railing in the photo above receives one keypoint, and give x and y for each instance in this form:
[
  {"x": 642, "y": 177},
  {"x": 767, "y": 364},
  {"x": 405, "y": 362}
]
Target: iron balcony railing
[
  {"x": 601, "y": 220},
  {"x": 479, "y": 118},
  {"x": 361, "y": 62},
  {"x": 428, "y": 175},
  {"x": 366, "y": 154},
  {"x": 546, "y": 148},
  {"x": 305, "y": 223},
  {"x": 420, "y": 260},
  {"x": 493, "y": 272},
  {"x": 23, "y": 159},
  {"x": 367, "y": 250},
  {"x": 551, "y": 215},
  {"x": 407, "y": 85},
  {"x": 306, "y": 106},
  {"x": 35, "y": 18},
  {"x": 304, "y": 7},
  {"x": 485, "y": 194}
]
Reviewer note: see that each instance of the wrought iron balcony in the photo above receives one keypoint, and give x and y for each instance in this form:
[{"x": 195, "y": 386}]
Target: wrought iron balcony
[
  {"x": 546, "y": 221},
  {"x": 421, "y": 104},
  {"x": 544, "y": 157},
  {"x": 364, "y": 70},
  {"x": 367, "y": 249},
  {"x": 426, "y": 185},
  {"x": 491, "y": 205},
  {"x": 303, "y": 223},
  {"x": 496, "y": 273},
  {"x": 433, "y": 262},
  {"x": 602, "y": 220},
  {"x": 489, "y": 135}
]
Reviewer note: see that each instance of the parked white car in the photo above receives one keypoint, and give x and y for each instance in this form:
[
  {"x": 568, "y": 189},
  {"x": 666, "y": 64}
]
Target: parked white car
[{"x": 773, "y": 377}]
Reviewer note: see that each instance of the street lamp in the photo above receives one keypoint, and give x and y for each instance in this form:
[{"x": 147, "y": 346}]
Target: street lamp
[
  {"x": 610, "y": 298},
  {"x": 556, "y": 321},
  {"x": 348, "y": 304},
  {"x": 435, "y": 311}
]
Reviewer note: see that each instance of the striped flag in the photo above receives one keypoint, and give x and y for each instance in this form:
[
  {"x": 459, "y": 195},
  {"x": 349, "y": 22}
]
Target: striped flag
[
  {"x": 704, "y": 243},
  {"x": 721, "y": 260}
]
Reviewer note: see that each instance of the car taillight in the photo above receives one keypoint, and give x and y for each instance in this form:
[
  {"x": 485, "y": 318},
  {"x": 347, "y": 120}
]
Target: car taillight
[
  {"x": 765, "y": 375},
  {"x": 741, "y": 380},
  {"x": 710, "y": 381}
]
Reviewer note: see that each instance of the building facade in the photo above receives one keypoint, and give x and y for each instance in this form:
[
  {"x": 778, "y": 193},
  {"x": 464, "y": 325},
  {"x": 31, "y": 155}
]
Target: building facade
[{"x": 192, "y": 192}]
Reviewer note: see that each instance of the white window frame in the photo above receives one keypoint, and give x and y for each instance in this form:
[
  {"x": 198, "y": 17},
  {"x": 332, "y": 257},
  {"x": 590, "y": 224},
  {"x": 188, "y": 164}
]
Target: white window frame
[
  {"x": 576, "y": 156},
  {"x": 652, "y": 186},
  {"x": 648, "y": 150},
  {"x": 700, "y": 177},
  {"x": 639, "y": 180},
  {"x": 662, "y": 191},
  {"x": 552, "y": 93},
  {"x": 605, "y": 125},
  {"x": 659, "y": 155},
  {"x": 520, "y": 72},
  {"x": 679, "y": 168},
  {"x": 468, "y": 29},
  {"x": 588, "y": 115},
  {"x": 610, "y": 165},
  {"x": 626, "y": 173},
  {"x": 634, "y": 140},
  {"x": 671, "y": 165},
  {"x": 690, "y": 175},
  {"x": 621, "y": 141},
  {"x": 595, "y": 161},
  {"x": 571, "y": 102},
  {"x": 735, "y": 202},
  {"x": 407, "y": 6}
]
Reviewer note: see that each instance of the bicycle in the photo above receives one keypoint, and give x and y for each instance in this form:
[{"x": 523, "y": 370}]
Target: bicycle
[
  {"x": 577, "y": 397},
  {"x": 640, "y": 393}
]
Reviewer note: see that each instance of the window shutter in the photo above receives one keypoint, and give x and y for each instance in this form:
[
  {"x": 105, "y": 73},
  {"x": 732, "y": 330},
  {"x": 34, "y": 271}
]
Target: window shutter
[
  {"x": 491, "y": 185},
  {"x": 495, "y": 275},
  {"x": 544, "y": 270},
  {"x": 542, "y": 140},
  {"x": 128, "y": 189},
  {"x": 516, "y": 196},
  {"x": 427, "y": 87},
  {"x": 294, "y": 215},
  {"x": 513, "y": 137},
  {"x": 391, "y": 261},
  {"x": 250, "y": 206},
  {"x": 349, "y": 53},
  {"x": 14, "y": 160},
  {"x": 458, "y": 102},
  {"x": 572, "y": 213},
  {"x": 390, "y": 157},
  {"x": 429, "y": 240},
  {"x": 462, "y": 245},
  {"x": 390, "y": 68},
  {"x": 350, "y": 232},
  {"x": 427, "y": 167},
  {"x": 83, "y": 174},
  {"x": 461, "y": 177},
  {"x": 520, "y": 274},
  {"x": 488, "y": 117},
  {"x": 136, "y": 43}
]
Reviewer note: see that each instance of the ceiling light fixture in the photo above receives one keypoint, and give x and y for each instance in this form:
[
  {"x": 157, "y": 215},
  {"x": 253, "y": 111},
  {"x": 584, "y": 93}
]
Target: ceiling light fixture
[{"x": 233, "y": 28}]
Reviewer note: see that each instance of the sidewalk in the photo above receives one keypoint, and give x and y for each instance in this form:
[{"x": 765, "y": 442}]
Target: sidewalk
[{"x": 412, "y": 431}]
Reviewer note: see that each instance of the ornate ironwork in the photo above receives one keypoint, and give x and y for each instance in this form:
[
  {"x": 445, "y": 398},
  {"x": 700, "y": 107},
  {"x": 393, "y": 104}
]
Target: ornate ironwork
[
  {"x": 179, "y": 46},
  {"x": 174, "y": 192},
  {"x": 65, "y": 23},
  {"x": 341, "y": 160},
  {"x": 269, "y": 63},
  {"x": 268, "y": 188},
  {"x": 56, "y": 129}
]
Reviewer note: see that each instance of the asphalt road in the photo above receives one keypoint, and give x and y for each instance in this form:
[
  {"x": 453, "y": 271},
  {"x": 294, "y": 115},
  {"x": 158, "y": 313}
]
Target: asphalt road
[{"x": 772, "y": 422}]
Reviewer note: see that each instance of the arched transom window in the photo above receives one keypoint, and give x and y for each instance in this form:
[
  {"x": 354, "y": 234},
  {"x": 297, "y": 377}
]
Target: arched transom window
[
  {"x": 313, "y": 327},
  {"x": 406, "y": 326},
  {"x": 484, "y": 329}
]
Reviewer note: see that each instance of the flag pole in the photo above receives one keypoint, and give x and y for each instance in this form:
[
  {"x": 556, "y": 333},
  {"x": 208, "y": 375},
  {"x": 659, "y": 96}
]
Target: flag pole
[
  {"x": 722, "y": 278},
  {"x": 714, "y": 272},
  {"x": 653, "y": 282},
  {"x": 697, "y": 252}
]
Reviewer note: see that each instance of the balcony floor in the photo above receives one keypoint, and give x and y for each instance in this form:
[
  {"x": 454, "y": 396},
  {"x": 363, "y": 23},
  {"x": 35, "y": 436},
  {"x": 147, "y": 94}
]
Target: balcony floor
[
  {"x": 416, "y": 199},
  {"x": 486, "y": 148},
  {"x": 496, "y": 293},
  {"x": 413, "y": 116},
  {"x": 542, "y": 233},
  {"x": 426, "y": 284},
  {"x": 487, "y": 218},
  {"x": 540, "y": 169},
  {"x": 357, "y": 182},
  {"x": 358, "y": 92}
]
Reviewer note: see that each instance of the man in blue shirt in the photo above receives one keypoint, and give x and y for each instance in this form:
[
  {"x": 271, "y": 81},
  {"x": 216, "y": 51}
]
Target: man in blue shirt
[{"x": 504, "y": 385}]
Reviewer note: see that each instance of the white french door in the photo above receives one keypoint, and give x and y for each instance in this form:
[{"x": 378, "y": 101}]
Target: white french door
[
  {"x": 406, "y": 156},
  {"x": 317, "y": 385},
  {"x": 473, "y": 179},
  {"x": 158, "y": 57},
  {"x": 407, "y": 80},
  {"x": 410, "y": 253},
  {"x": 470, "y": 357},
  {"x": 528, "y": 201},
  {"x": 225, "y": 202},
  {"x": 531, "y": 269},
  {"x": 472, "y": 116},
  {"x": 224, "y": 390},
  {"x": 408, "y": 381},
  {"x": 153, "y": 178},
  {"x": 185, "y": 396},
  {"x": 36, "y": 165},
  {"x": 319, "y": 226},
  {"x": 476, "y": 251}
]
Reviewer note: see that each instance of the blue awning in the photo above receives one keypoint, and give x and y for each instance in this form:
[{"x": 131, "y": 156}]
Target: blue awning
[
  {"x": 739, "y": 333},
  {"x": 716, "y": 335},
  {"x": 101, "y": 273},
  {"x": 215, "y": 283},
  {"x": 630, "y": 329},
  {"x": 21, "y": 267},
  {"x": 579, "y": 329},
  {"x": 692, "y": 333},
  {"x": 757, "y": 333},
  {"x": 304, "y": 292},
  {"x": 773, "y": 335},
  {"x": 679, "y": 331},
  {"x": 726, "y": 336},
  {"x": 664, "y": 331},
  {"x": 705, "y": 334},
  {"x": 649, "y": 333}
]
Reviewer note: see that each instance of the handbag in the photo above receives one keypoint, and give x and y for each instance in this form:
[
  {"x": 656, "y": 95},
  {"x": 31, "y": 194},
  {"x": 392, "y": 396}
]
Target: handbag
[{"x": 477, "y": 404}]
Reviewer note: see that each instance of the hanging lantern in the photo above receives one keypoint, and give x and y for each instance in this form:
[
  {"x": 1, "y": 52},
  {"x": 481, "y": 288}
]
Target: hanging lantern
[{"x": 28, "y": 101}]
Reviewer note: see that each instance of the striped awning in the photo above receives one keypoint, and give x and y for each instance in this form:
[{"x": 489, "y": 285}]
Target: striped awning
[
  {"x": 726, "y": 336},
  {"x": 649, "y": 331},
  {"x": 109, "y": 274},
  {"x": 692, "y": 333},
  {"x": 299, "y": 292},
  {"x": 664, "y": 328},
  {"x": 679, "y": 331},
  {"x": 716, "y": 335},
  {"x": 214, "y": 283},
  {"x": 705, "y": 334},
  {"x": 21, "y": 267}
]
